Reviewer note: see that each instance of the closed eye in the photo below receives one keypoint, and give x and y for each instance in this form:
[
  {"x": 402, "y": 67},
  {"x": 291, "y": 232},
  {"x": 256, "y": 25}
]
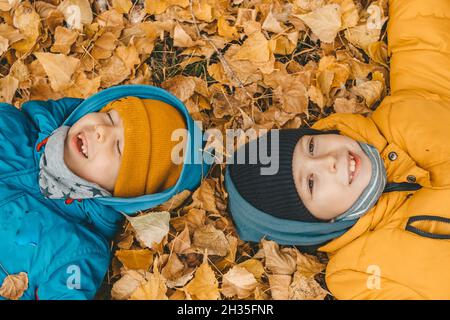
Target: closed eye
[{"x": 112, "y": 122}]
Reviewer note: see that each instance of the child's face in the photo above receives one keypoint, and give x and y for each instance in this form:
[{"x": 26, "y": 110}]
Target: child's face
[
  {"x": 94, "y": 146},
  {"x": 322, "y": 168}
]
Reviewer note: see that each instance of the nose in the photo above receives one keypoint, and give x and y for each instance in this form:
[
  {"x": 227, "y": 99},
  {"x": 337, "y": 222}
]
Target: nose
[
  {"x": 101, "y": 132},
  {"x": 328, "y": 162}
]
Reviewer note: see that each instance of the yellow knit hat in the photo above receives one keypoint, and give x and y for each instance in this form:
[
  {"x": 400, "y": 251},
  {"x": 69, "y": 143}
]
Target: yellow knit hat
[{"x": 146, "y": 165}]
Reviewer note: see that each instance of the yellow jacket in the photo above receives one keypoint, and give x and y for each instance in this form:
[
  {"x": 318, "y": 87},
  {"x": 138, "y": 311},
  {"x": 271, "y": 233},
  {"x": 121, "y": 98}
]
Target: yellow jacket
[{"x": 401, "y": 248}]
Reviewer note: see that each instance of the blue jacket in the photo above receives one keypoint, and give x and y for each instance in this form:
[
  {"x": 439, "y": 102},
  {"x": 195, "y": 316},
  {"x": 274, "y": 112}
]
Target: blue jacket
[{"x": 65, "y": 247}]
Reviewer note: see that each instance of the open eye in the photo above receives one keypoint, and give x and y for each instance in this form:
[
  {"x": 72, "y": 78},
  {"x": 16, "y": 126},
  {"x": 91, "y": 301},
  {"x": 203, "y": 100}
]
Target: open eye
[
  {"x": 311, "y": 146},
  {"x": 311, "y": 183}
]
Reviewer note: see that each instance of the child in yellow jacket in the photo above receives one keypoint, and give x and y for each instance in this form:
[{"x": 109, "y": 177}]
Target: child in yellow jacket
[{"x": 373, "y": 192}]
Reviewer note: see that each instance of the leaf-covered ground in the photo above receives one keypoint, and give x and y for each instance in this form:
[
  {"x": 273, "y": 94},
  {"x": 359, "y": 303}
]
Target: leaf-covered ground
[{"x": 235, "y": 64}]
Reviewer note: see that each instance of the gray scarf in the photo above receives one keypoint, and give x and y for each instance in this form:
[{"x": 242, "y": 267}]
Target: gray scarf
[
  {"x": 374, "y": 189},
  {"x": 56, "y": 181}
]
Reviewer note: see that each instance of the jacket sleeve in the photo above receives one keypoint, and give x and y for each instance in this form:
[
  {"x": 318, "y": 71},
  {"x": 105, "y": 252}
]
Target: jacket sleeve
[
  {"x": 356, "y": 285},
  {"x": 419, "y": 45},
  {"x": 76, "y": 280},
  {"x": 50, "y": 113}
]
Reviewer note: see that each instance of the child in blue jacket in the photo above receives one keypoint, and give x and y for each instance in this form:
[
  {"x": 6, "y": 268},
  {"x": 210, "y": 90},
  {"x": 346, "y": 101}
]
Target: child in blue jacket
[{"x": 69, "y": 168}]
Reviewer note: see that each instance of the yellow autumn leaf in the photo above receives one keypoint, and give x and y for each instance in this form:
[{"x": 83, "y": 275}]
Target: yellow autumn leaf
[
  {"x": 64, "y": 38},
  {"x": 238, "y": 282},
  {"x": 152, "y": 289},
  {"x": 28, "y": 22},
  {"x": 225, "y": 30},
  {"x": 122, "y": 6},
  {"x": 253, "y": 266},
  {"x": 59, "y": 68},
  {"x": 159, "y": 6},
  {"x": 255, "y": 48},
  {"x": 204, "y": 286},
  {"x": 325, "y": 22},
  {"x": 135, "y": 259}
]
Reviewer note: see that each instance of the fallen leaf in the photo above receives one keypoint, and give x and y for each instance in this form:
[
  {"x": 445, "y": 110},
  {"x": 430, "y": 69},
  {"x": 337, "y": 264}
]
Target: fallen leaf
[
  {"x": 212, "y": 239},
  {"x": 305, "y": 288},
  {"x": 127, "y": 284},
  {"x": 59, "y": 68},
  {"x": 238, "y": 282},
  {"x": 14, "y": 286},
  {"x": 204, "y": 286},
  {"x": 253, "y": 266},
  {"x": 325, "y": 22},
  {"x": 152, "y": 289},
  {"x": 150, "y": 228},
  {"x": 135, "y": 259},
  {"x": 279, "y": 261},
  {"x": 370, "y": 90},
  {"x": 279, "y": 286},
  {"x": 182, "y": 242},
  {"x": 175, "y": 202}
]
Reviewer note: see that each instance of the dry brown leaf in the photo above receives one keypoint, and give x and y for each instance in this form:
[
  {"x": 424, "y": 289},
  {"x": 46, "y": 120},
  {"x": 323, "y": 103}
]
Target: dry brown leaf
[
  {"x": 253, "y": 266},
  {"x": 64, "y": 38},
  {"x": 152, "y": 289},
  {"x": 225, "y": 30},
  {"x": 122, "y": 6},
  {"x": 305, "y": 288},
  {"x": 173, "y": 268},
  {"x": 127, "y": 284},
  {"x": 175, "y": 202},
  {"x": 8, "y": 87},
  {"x": 212, "y": 239},
  {"x": 370, "y": 90},
  {"x": 204, "y": 286},
  {"x": 14, "y": 286},
  {"x": 279, "y": 286},
  {"x": 308, "y": 265},
  {"x": 325, "y": 22},
  {"x": 150, "y": 228},
  {"x": 238, "y": 282},
  {"x": 279, "y": 261},
  {"x": 135, "y": 259},
  {"x": 59, "y": 68},
  {"x": 76, "y": 13},
  {"x": 182, "y": 242},
  {"x": 27, "y": 21}
]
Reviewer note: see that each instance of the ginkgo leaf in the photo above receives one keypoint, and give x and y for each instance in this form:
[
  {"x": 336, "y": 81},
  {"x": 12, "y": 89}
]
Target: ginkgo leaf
[
  {"x": 14, "y": 286},
  {"x": 325, "y": 22},
  {"x": 59, "y": 68},
  {"x": 204, "y": 286},
  {"x": 150, "y": 228},
  {"x": 238, "y": 282}
]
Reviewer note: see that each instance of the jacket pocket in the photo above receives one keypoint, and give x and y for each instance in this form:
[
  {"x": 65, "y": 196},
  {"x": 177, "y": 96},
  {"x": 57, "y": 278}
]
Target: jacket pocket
[
  {"x": 433, "y": 227},
  {"x": 20, "y": 224}
]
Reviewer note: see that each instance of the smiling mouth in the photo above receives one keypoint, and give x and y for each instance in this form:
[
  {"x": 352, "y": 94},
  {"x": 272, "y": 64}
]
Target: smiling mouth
[
  {"x": 351, "y": 167},
  {"x": 82, "y": 145}
]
